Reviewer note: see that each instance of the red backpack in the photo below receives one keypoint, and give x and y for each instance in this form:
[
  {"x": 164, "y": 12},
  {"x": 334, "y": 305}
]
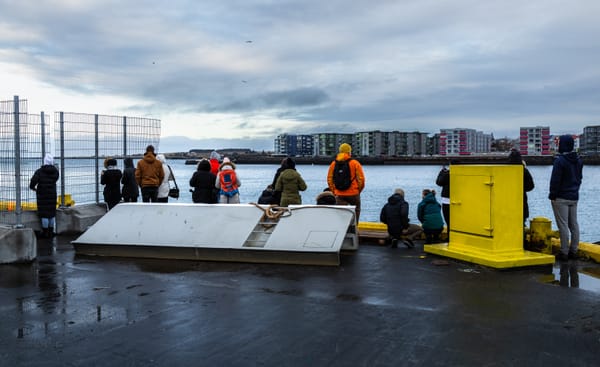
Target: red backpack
[{"x": 228, "y": 181}]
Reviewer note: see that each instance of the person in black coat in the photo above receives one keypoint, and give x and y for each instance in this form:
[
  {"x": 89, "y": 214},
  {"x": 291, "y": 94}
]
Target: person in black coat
[
  {"x": 277, "y": 194},
  {"x": 203, "y": 182},
  {"x": 130, "y": 191},
  {"x": 43, "y": 182},
  {"x": 111, "y": 179},
  {"x": 514, "y": 157}
]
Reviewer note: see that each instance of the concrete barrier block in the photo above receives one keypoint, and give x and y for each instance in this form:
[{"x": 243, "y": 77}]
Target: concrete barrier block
[
  {"x": 17, "y": 245},
  {"x": 77, "y": 219}
]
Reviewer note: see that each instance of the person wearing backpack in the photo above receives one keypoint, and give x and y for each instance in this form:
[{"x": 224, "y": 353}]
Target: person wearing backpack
[
  {"x": 346, "y": 178},
  {"x": 227, "y": 182}
]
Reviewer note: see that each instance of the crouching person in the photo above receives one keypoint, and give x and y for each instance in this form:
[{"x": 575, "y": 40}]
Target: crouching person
[
  {"x": 429, "y": 212},
  {"x": 395, "y": 215}
]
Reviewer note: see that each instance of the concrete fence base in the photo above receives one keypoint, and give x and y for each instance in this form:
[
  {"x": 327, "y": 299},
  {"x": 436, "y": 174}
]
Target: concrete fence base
[
  {"x": 17, "y": 245},
  {"x": 20, "y": 244}
]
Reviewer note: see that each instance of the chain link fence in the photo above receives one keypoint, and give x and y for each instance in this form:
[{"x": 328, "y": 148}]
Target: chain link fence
[{"x": 80, "y": 143}]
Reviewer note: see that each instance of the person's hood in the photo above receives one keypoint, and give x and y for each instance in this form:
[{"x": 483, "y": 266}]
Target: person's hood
[
  {"x": 395, "y": 199},
  {"x": 214, "y": 155},
  {"x": 429, "y": 198},
  {"x": 226, "y": 166},
  {"x": 128, "y": 162},
  {"x": 161, "y": 158},
  {"x": 48, "y": 160},
  {"x": 149, "y": 157},
  {"x": 342, "y": 156},
  {"x": 572, "y": 157},
  {"x": 204, "y": 165},
  {"x": 565, "y": 144}
]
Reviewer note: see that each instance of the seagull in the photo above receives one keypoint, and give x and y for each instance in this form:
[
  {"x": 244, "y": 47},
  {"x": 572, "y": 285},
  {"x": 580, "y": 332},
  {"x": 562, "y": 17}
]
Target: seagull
[
  {"x": 243, "y": 81},
  {"x": 248, "y": 41}
]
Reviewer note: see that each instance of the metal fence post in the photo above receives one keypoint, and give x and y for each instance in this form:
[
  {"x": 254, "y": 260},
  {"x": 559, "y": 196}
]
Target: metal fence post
[
  {"x": 97, "y": 156},
  {"x": 43, "y": 130},
  {"x": 62, "y": 159},
  {"x": 124, "y": 136},
  {"x": 17, "y": 143}
]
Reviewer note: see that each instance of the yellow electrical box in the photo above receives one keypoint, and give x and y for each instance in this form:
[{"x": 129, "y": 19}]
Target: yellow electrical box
[{"x": 486, "y": 211}]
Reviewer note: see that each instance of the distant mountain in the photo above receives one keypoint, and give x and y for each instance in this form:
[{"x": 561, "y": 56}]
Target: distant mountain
[{"x": 177, "y": 144}]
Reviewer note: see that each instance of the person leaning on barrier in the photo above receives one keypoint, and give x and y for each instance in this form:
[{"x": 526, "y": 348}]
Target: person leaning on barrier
[
  {"x": 149, "y": 175},
  {"x": 43, "y": 182},
  {"x": 203, "y": 184},
  {"x": 130, "y": 191},
  {"x": 111, "y": 179}
]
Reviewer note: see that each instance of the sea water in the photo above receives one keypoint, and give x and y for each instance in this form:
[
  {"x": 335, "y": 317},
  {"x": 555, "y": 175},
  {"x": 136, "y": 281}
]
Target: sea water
[{"x": 382, "y": 180}]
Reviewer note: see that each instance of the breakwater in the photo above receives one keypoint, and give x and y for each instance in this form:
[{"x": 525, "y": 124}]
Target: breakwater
[{"x": 383, "y": 161}]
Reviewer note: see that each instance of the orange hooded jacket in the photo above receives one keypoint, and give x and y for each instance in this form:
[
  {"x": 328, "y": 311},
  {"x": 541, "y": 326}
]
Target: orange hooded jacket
[{"x": 358, "y": 177}]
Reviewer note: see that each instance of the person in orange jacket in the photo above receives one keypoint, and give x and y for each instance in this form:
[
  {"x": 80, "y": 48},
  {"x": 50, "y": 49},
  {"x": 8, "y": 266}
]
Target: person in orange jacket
[{"x": 346, "y": 178}]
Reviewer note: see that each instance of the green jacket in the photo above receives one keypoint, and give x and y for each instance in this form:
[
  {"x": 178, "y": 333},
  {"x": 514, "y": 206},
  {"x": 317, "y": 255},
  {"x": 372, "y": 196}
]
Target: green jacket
[
  {"x": 290, "y": 183},
  {"x": 429, "y": 213}
]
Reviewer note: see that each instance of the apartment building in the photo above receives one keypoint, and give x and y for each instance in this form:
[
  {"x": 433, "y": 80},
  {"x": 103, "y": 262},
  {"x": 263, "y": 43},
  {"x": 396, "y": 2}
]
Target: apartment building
[
  {"x": 534, "y": 140},
  {"x": 458, "y": 141}
]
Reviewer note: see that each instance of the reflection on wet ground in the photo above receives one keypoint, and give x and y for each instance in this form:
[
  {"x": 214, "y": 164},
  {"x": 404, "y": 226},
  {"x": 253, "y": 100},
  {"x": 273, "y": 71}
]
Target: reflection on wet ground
[{"x": 575, "y": 274}]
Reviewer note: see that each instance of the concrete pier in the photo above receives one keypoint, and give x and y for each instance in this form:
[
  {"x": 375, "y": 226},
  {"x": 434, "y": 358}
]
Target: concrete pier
[{"x": 380, "y": 307}]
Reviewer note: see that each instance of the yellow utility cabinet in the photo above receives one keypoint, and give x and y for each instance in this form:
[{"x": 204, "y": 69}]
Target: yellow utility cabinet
[{"x": 486, "y": 209}]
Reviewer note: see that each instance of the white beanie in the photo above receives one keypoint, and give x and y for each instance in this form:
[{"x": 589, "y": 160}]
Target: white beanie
[{"x": 48, "y": 159}]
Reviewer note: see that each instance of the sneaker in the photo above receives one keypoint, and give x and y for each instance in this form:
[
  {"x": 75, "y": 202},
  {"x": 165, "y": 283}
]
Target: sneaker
[
  {"x": 572, "y": 255},
  {"x": 562, "y": 257},
  {"x": 409, "y": 243},
  {"x": 394, "y": 243}
]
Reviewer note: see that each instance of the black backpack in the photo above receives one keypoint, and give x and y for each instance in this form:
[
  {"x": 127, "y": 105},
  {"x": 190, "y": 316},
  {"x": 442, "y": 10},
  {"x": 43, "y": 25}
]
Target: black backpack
[{"x": 341, "y": 175}]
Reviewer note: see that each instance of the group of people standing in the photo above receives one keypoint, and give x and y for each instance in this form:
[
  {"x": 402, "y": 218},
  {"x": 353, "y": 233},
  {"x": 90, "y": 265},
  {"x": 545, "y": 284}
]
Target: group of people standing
[
  {"x": 215, "y": 181},
  {"x": 152, "y": 176}
]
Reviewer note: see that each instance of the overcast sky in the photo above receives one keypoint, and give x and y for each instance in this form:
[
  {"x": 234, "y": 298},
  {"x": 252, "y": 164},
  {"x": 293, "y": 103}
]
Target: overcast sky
[{"x": 251, "y": 69}]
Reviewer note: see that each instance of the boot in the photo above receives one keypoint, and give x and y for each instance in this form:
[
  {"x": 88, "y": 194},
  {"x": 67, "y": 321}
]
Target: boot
[{"x": 50, "y": 232}]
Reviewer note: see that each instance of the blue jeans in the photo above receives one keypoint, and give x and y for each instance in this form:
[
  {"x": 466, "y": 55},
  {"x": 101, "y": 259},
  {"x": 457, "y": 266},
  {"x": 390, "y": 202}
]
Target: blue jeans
[{"x": 565, "y": 213}]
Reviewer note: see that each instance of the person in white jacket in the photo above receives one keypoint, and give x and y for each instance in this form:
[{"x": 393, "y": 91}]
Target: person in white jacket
[{"x": 163, "y": 189}]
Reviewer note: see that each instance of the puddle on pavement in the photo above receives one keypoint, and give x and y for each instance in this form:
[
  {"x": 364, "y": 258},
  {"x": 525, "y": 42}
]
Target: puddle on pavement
[{"x": 571, "y": 275}]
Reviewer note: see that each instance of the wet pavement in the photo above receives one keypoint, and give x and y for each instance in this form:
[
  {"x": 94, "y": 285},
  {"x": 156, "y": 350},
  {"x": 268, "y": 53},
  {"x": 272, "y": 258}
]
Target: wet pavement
[{"x": 381, "y": 307}]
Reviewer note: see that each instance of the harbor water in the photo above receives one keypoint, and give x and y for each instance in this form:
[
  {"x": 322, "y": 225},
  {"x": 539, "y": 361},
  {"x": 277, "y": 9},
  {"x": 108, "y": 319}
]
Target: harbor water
[{"x": 382, "y": 180}]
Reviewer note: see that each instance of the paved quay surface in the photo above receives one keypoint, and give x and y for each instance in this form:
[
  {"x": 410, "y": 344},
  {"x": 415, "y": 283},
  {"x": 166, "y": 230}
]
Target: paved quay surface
[{"x": 381, "y": 307}]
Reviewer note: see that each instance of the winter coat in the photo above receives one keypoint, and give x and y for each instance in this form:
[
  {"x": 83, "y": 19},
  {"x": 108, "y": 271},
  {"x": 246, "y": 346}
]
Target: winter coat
[
  {"x": 149, "y": 171},
  {"x": 358, "y": 177},
  {"x": 443, "y": 180},
  {"x": 277, "y": 194},
  {"x": 267, "y": 198},
  {"x": 111, "y": 179},
  {"x": 130, "y": 188},
  {"x": 203, "y": 182},
  {"x": 567, "y": 173},
  {"x": 429, "y": 213},
  {"x": 395, "y": 214},
  {"x": 528, "y": 185},
  {"x": 290, "y": 183},
  {"x": 43, "y": 182}
]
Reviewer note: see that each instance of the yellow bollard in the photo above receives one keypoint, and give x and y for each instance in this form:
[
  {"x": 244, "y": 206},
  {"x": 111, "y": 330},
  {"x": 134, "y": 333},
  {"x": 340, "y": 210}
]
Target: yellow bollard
[{"x": 541, "y": 234}]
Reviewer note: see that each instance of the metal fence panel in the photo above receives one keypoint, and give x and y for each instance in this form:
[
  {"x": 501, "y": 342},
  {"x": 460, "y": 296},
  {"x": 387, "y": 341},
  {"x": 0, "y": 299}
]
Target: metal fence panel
[{"x": 80, "y": 143}]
